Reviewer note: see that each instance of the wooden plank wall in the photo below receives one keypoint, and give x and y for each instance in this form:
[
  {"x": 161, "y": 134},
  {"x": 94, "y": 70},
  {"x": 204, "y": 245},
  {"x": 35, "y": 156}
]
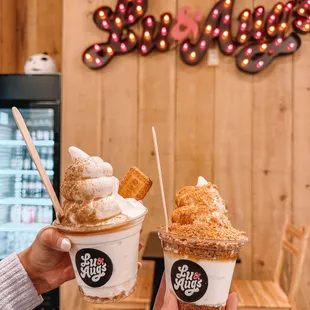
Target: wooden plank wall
[
  {"x": 28, "y": 27},
  {"x": 247, "y": 134}
]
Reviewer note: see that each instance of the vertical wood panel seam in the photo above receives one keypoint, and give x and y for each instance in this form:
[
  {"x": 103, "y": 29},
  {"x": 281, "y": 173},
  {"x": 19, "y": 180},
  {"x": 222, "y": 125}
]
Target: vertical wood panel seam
[
  {"x": 292, "y": 140},
  {"x": 175, "y": 111},
  {"x": 252, "y": 170}
]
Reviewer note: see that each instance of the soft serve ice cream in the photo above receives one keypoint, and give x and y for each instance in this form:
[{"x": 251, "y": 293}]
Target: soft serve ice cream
[
  {"x": 91, "y": 194},
  {"x": 200, "y": 247},
  {"x": 103, "y": 226}
]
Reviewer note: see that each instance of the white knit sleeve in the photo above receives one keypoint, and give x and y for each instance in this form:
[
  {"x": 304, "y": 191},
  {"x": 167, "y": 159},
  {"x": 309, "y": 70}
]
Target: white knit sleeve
[{"x": 16, "y": 289}]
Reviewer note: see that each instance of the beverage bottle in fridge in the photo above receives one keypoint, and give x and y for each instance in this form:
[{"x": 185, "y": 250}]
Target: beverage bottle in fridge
[
  {"x": 14, "y": 158},
  {"x": 52, "y": 135},
  {"x": 38, "y": 188},
  {"x": 25, "y": 186},
  {"x": 40, "y": 134},
  {"x": 18, "y": 135},
  {"x": 32, "y": 186},
  {"x": 26, "y": 214},
  {"x": 26, "y": 160},
  {"x": 47, "y": 215},
  {"x": 18, "y": 186},
  {"x": 50, "y": 159},
  {"x": 40, "y": 212},
  {"x": 43, "y": 155},
  {"x": 16, "y": 214}
]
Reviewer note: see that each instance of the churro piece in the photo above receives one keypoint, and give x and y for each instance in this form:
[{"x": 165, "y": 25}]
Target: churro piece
[{"x": 135, "y": 184}]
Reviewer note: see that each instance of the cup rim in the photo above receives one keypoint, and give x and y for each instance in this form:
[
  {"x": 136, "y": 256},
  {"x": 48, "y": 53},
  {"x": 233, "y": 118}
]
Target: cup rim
[
  {"x": 162, "y": 231},
  {"x": 100, "y": 228}
]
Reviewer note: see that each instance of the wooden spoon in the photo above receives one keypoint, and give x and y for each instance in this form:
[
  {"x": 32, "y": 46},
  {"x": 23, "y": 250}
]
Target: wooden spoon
[{"x": 36, "y": 158}]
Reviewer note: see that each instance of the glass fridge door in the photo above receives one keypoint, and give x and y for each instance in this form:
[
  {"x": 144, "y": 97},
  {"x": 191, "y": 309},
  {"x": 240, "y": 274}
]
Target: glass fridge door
[{"x": 25, "y": 207}]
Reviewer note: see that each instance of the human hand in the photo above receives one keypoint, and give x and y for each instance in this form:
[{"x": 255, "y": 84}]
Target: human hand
[
  {"x": 47, "y": 261},
  {"x": 165, "y": 300}
]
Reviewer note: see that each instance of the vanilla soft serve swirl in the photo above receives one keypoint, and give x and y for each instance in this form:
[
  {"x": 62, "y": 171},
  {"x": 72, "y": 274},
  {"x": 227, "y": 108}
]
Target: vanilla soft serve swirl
[{"x": 91, "y": 193}]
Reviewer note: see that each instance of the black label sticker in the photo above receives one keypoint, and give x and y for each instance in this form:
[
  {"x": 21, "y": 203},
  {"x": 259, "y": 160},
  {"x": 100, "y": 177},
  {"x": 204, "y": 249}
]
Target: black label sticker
[
  {"x": 95, "y": 267},
  {"x": 189, "y": 280}
]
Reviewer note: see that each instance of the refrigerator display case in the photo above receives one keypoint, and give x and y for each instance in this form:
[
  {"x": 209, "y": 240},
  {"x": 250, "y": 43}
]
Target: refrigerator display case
[{"x": 25, "y": 207}]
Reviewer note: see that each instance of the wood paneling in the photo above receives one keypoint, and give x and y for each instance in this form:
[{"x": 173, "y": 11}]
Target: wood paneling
[
  {"x": 8, "y": 40},
  {"x": 157, "y": 108},
  {"x": 232, "y": 128},
  {"x": 247, "y": 134},
  {"x": 39, "y": 28},
  {"x": 194, "y": 134},
  {"x": 301, "y": 156},
  {"x": 272, "y": 160},
  {"x": 29, "y": 27},
  {"x": 233, "y": 143}
]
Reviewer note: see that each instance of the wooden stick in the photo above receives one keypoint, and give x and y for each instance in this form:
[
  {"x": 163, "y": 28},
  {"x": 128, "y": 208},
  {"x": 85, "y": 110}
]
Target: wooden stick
[
  {"x": 161, "y": 182},
  {"x": 36, "y": 158}
]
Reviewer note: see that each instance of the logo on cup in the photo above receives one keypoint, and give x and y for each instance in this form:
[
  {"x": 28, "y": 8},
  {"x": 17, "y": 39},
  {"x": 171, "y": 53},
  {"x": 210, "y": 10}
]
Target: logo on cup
[
  {"x": 189, "y": 280},
  {"x": 95, "y": 267}
]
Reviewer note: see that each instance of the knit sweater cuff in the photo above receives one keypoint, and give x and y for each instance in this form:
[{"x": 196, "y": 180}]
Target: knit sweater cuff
[{"x": 16, "y": 289}]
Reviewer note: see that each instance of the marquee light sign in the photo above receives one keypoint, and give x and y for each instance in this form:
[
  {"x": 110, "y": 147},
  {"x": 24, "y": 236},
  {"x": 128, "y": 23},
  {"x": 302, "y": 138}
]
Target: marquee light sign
[{"x": 262, "y": 36}]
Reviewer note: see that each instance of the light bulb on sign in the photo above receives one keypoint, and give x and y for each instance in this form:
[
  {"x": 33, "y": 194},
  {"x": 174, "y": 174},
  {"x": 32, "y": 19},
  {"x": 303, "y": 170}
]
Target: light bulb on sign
[
  {"x": 164, "y": 31},
  {"x": 249, "y": 51},
  {"x": 144, "y": 49},
  {"x": 246, "y": 15},
  {"x": 147, "y": 35},
  {"x": 230, "y": 48},
  {"x": 149, "y": 21},
  {"x": 208, "y": 29},
  {"x": 193, "y": 55},
  {"x": 118, "y": 21},
  {"x": 131, "y": 18},
  {"x": 98, "y": 61},
  {"x": 279, "y": 41},
  {"x": 272, "y": 29},
  {"x": 97, "y": 47},
  {"x": 203, "y": 44},
  {"x": 162, "y": 44},
  {"x": 185, "y": 47},
  {"x": 166, "y": 19},
  {"x": 121, "y": 7},
  {"x": 225, "y": 34},
  {"x": 216, "y": 32},
  {"x": 226, "y": 18},
  {"x": 101, "y": 14},
  {"x": 245, "y": 62},
  {"x": 243, "y": 37},
  {"x": 88, "y": 57},
  {"x": 123, "y": 47},
  {"x": 132, "y": 37},
  {"x": 263, "y": 47},
  {"x": 110, "y": 50},
  {"x": 260, "y": 64},
  {"x": 139, "y": 9}
]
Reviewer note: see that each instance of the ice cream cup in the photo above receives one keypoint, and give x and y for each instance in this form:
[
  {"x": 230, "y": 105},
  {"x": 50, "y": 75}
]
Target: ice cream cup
[
  {"x": 105, "y": 259},
  {"x": 199, "y": 271}
]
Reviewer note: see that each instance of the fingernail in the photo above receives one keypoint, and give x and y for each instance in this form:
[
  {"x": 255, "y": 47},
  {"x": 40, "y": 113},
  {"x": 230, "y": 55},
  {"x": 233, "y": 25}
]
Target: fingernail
[
  {"x": 140, "y": 246},
  {"x": 139, "y": 265},
  {"x": 65, "y": 245}
]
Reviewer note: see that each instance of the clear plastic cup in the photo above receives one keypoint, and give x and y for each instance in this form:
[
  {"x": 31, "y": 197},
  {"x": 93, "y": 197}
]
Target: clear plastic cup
[
  {"x": 105, "y": 259},
  {"x": 199, "y": 271}
]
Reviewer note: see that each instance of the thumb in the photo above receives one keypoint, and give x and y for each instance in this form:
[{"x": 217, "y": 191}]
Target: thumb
[
  {"x": 232, "y": 303},
  {"x": 51, "y": 238},
  {"x": 170, "y": 303}
]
